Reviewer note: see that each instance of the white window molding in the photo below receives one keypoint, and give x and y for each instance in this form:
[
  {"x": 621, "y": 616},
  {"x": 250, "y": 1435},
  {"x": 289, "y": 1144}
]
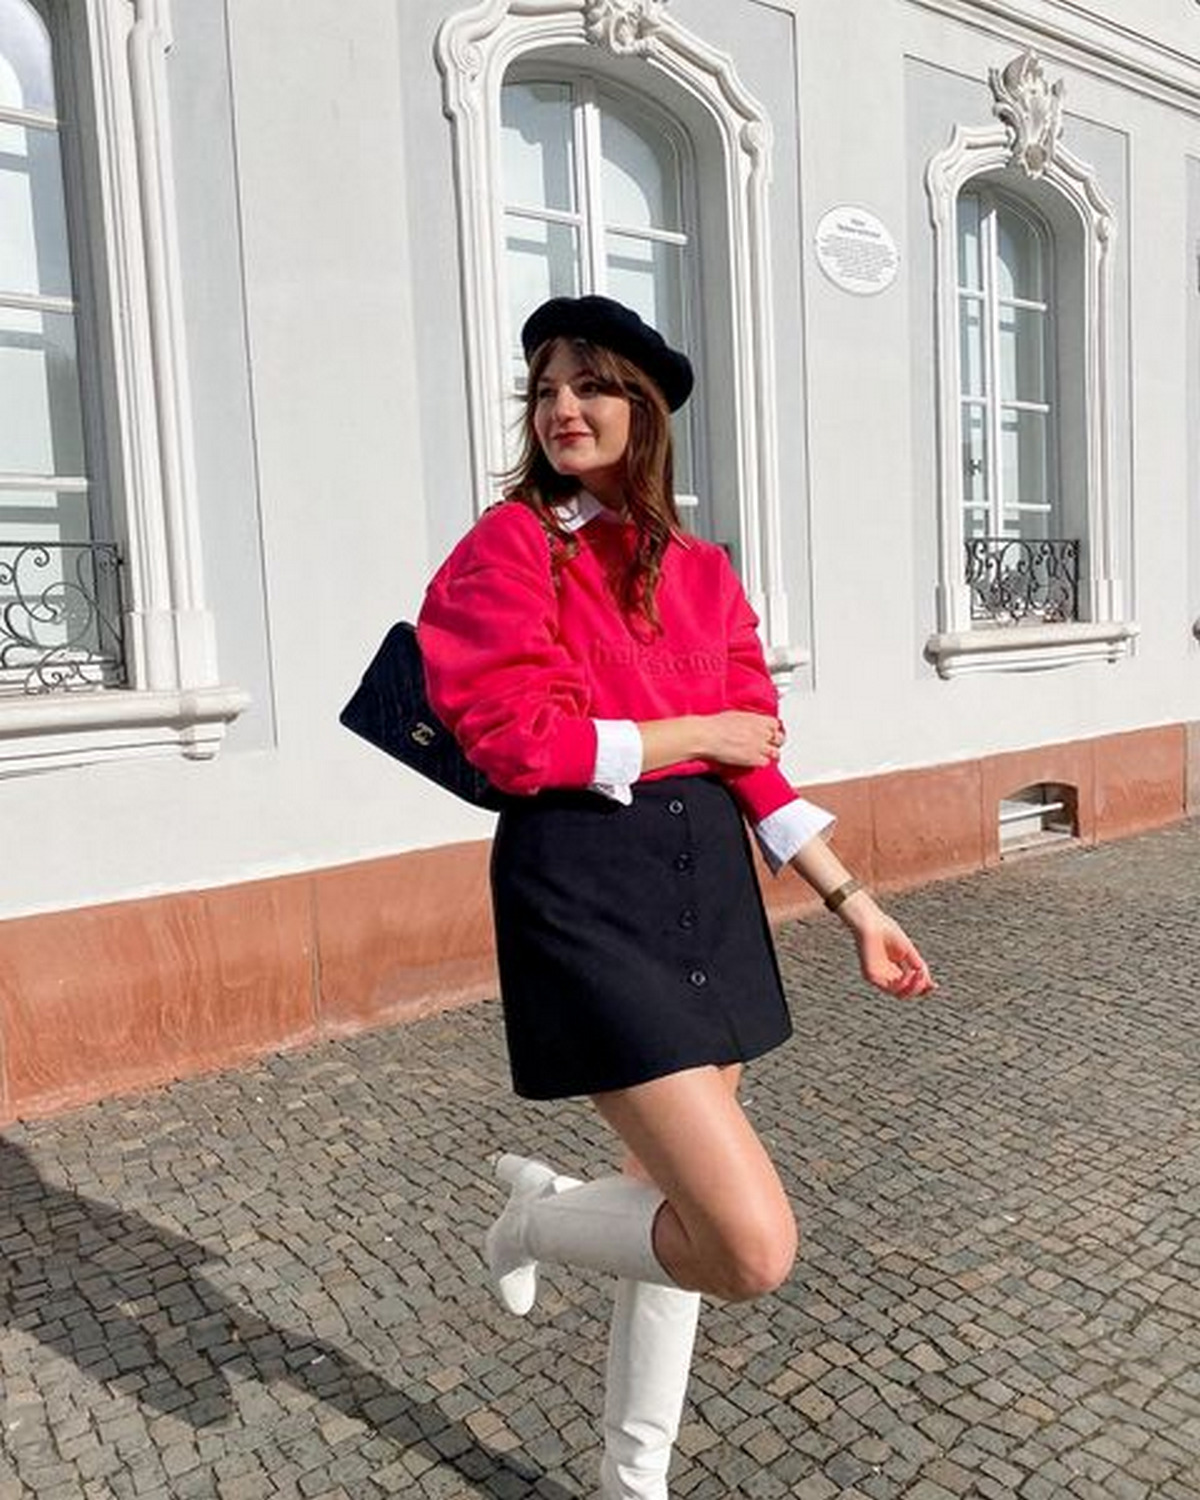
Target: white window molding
[
  {"x": 113, "y": 55},
  {"x": 475, "y": 48},
  {"x": 1025, "y": 144},
  {"x": 1026, "y": 648}
]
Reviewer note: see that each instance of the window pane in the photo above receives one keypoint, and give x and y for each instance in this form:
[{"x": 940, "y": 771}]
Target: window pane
[
  {"x": 970, "y": 273},
  {"x": 541, "y": 261},
  {"x": 26, "y": 66},
  {"x": 1023, "y": 354},
  {"x": 975, "y": 475},
  {"x": 538, "y": 145},
  {"x": 1023, "y": 471},
  {"x": 640, "y": 176},
  {"x": 974, "y": 379},
  {"x": 43, "y": 516},
  {"x": 647, "y": 276},
  {"x": 34, "y": 256},
  {"x": 1019, "y": 270},
  {"x": 39, "y": 394}
]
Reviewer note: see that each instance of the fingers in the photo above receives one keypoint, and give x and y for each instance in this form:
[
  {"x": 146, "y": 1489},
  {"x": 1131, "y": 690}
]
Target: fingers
[
  {"x": 912, "y": 970},
  {"x": 749, "y": 739},
  {"x": 908, "y": 975},
  {"x": 914, "y": 979},
  {"x": 894, "y": 965},
  {"x": 902, "y": 983},
  {"x": 923, "y": 981}
]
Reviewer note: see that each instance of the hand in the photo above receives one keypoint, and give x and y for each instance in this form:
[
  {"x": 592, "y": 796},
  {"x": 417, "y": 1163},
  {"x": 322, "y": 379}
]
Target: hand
[
  {"x": 736, "y": 738},
  {"x": 887, "y": 956}
]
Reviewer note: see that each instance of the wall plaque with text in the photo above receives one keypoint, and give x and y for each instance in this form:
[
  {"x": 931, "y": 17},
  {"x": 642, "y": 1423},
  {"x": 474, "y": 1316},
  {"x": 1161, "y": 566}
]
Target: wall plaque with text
[{"x": 856, "y": 250}]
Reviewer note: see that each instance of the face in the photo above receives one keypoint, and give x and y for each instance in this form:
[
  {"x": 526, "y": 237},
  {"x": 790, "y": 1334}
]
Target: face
[{"x": 583, "y": 429}]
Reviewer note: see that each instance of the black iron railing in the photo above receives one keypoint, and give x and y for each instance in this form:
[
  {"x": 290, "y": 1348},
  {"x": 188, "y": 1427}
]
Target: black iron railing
[
  {"x": 60, "y": 617},
  {"x": 1013, "y": 580}
]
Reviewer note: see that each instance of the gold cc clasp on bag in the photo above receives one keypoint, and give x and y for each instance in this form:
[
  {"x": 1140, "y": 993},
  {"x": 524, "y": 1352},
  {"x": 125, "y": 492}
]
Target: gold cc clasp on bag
[{"x": 422, "y": 733}]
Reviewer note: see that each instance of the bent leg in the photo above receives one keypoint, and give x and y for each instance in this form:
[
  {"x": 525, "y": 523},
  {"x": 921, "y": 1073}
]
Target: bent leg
[
  {"x": 649, "y": 1362},
  {"x": 730, "y": 1075},
  {"x": 726, "y": 1227}
]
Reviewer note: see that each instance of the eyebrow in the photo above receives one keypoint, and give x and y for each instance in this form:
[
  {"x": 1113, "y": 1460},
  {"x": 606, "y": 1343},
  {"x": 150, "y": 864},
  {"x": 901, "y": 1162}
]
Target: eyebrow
[{"x": 586, "y": 372}]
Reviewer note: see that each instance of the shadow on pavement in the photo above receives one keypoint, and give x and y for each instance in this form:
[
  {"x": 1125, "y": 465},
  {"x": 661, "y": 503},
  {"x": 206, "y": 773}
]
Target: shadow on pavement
[{"x": 123, "y": 1299}]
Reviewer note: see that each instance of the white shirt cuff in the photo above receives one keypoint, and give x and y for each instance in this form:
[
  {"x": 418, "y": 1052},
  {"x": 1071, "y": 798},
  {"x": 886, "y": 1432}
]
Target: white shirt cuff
[
  {"x": 785, "y": 831},
  {"x": 618, "y": 759}
]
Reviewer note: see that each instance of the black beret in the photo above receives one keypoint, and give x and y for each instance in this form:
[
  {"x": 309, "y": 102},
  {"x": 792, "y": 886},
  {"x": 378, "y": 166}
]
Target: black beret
[{"x": 613, "y": 326}]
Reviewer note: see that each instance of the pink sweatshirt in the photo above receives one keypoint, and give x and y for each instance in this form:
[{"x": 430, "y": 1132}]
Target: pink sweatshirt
[{"x": 518, "y": 668}]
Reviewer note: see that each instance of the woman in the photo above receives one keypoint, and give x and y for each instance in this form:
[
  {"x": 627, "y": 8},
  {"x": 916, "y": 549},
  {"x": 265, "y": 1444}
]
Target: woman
[{"x": 605, "y": 669}]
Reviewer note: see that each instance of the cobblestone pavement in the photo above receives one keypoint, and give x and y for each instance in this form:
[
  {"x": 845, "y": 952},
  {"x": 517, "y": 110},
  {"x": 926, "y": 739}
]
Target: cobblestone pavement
[{"x": 266, "y": 1283}]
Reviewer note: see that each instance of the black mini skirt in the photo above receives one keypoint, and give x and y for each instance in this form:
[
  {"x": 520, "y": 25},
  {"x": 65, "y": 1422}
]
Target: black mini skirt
[{"x": 632, "y": 941}]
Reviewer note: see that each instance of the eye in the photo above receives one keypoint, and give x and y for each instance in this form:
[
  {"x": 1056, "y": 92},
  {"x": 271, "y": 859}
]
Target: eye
[
  {"x": 545, "y": 392},
  {"x": 587, "y": 387}
]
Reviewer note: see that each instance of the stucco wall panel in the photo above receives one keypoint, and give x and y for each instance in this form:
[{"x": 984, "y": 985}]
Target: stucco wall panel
[
  {"x": 927, "y": 823},
  {"x": 1193, "y": 770},
  {"x": 400, "y": 937},
  {"x": 1140, "y": 780},
  {"x": 110, "y": 998}
]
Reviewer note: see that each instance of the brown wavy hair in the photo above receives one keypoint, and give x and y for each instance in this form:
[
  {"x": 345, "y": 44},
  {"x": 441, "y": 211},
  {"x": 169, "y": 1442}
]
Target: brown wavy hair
[{"x": 649, "y": 471}]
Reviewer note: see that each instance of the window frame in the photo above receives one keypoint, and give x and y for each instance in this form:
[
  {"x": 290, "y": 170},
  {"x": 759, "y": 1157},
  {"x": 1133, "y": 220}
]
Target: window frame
[
  {"x": 111, "y": 78},
  {"x": 1040, "y": 171}
]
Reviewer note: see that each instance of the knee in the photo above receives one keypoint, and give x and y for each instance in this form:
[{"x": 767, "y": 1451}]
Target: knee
[{"x": 758, "y": 1260}]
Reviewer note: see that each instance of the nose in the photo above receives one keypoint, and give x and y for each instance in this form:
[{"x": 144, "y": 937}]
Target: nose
[{"x": 565, "y": 402}]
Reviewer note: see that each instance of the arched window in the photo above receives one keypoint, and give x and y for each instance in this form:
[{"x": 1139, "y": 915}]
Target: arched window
[
  {"x": 1029, "y": 563},
  {"x": 597, "y": 191},
  {"x": 59, "y": 607}
]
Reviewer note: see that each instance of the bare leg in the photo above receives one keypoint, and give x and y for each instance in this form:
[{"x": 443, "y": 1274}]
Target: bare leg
[
  {"x": 726, "y": 1227},
  {"x": 731, "y": 1076},
  {"x": 649, "y": 1365},
  {"x": 713, "y": 1216}
]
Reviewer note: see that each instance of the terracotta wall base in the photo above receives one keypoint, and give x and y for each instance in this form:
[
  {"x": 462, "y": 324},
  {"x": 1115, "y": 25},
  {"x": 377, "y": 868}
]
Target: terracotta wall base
[{"x": 112, "y": 998}]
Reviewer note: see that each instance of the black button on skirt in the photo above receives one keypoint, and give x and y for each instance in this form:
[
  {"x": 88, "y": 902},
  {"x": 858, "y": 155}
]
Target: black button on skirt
[{"x": 632, "y": 941}]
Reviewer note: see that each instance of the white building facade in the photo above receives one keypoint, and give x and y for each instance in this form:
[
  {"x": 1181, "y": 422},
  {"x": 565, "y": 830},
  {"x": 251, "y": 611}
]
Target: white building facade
[{"x": 262, "y": 266}]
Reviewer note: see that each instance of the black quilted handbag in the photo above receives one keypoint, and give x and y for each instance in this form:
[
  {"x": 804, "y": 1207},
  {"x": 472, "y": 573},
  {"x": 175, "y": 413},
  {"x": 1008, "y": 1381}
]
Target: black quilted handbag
[{"x": 391, "y": 711}]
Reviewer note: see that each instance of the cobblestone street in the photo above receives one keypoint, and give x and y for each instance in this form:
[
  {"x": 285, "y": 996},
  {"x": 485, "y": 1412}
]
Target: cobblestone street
[{"x": 267, "y": 1283}]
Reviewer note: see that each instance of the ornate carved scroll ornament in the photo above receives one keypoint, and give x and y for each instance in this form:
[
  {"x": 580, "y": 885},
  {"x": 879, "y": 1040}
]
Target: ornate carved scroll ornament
[
  {"x": 623, "y": 26},
  {"x": 1031, "y": 110}
]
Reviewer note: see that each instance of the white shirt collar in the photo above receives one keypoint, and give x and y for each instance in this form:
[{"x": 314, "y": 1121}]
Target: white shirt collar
[
  {"x": 575, "y": 513},
  {"x": 582, "y": 508}
]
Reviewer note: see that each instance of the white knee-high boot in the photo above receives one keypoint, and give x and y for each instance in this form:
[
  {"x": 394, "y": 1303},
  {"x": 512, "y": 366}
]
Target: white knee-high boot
[
  {"x": 514, "y": 1276},
  {"x": 606, "y": 1225},
  {"x": 649, "y": 1360}
]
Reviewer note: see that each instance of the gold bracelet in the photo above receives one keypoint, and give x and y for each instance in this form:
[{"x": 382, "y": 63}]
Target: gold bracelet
[{"x": 843, "y": 893}]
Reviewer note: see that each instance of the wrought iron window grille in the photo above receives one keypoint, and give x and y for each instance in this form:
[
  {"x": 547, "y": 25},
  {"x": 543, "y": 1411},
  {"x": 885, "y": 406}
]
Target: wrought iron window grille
[
  {"x": 60, "y": 617},
  {"x": 1014, "y": 580}
]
